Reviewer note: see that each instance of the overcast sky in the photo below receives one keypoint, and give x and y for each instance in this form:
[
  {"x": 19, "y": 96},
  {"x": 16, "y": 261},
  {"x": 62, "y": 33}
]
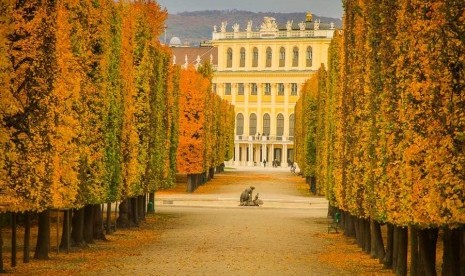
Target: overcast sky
[{"x": 329, "y": 8}]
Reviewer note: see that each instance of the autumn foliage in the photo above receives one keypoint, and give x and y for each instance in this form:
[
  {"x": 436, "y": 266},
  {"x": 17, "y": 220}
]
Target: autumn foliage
[
  {"x": 88, "y": 104},
  {"x": 392, "y": 124},
  {"x": 206, "y": 125}
]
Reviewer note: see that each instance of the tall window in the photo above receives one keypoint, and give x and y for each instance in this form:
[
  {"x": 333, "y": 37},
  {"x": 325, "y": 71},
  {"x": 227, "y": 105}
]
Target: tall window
[
  {"x": 282, "y": 57},
  {"x": 291, "y": 124},
  {"x": 240, "y": 89},
  {"x": 295, "y": 57},
  {"x": 253, "y": 89},
  {"x": 269, "y": 56},
  {"x": 267, "y": 88},
  {"x": 240, "y": 124},
  {"x": 229, "y": 58},
  {"x": 214, "y": 88},
  {"x": 266, "y": 124},
  {"x": 242, "y": 60},
  {"x": 227, "y": 88},
  {"x": 280, "y": 89},
  {"x": 309, "y": 56},
  {"x": 255, "y": 57},
  {"x": 280, "y": 125},
  {"x": 253, "y": 124},
  {"x": 293, "y": 89}
]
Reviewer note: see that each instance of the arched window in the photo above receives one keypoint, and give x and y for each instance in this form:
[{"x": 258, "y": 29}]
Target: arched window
[
  {"x": 269, "y": 56},
  {"x": 295, "y": 57},
  {"x": 242, "y": 58},
  {"x": 266, "y": 124},
  {"x": 291, "y": 125},
  {"x": 240, "y": 124},
  {"x": 229, "y": 58},
  {"x": 309, "y": 56},
  {"x": 280, "y": 125},
  {"x": 255, "y": 57},
  {"x": 253, "y": 124},
  {"x": 282, "y": 57}
]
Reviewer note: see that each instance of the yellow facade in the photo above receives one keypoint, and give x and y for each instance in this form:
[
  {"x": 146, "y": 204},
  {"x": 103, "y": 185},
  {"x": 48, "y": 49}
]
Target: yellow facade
[{"x": 261, "y": 72}]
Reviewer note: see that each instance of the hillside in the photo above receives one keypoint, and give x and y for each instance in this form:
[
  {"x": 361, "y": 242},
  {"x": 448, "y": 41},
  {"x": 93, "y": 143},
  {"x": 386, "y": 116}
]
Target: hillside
[{"x": 195, "y": 27}]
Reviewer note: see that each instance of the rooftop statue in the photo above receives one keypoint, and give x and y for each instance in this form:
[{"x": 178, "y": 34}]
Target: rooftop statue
[
  {"x": 236, "y": 28},
  {"x": 289, "y": 25},
  {"x": 302, "y": 26},
  {"x": 269, "y": 24},
  {"x": 223, "y": 26},
  {"x": 249, "y": 26}
]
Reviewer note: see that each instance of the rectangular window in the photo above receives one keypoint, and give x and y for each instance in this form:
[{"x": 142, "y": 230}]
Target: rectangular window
[
  {"x": 214, "y": 88},
  {"x": 293, "y": 89},
  {"x": 227, "y": 89},
  {"x": 280, "y": 89},
  {"x": 240, "y": 89},
  {"x": 253, "y": 89},
  {"x": 267, "y": 88}
]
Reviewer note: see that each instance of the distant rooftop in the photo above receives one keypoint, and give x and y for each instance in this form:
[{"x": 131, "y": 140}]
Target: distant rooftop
[
  {"x": 270, "y": 29},
  {"x": 185, "y": 56}
]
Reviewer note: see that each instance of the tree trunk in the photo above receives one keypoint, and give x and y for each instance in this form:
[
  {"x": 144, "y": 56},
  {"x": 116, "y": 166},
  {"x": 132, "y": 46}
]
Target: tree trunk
[
  {"x": 13, "y": 239},
  {"x": 427, "y": 240},
  {"x": 89, "y": 224},
  {"x": 190, "y": 183},
  {"x": 134, "y": 211},
  {"x": 123, "y": 218},
  {"x": 414, "y": 252},
  {"x": 211, "y": 173},
  {"x": 65, "y": 243},
  {"x": 358, "y": 232},
  {"x": 151, "y": 205},
  {"x": 27, "y": 237},
  {"x": 387, "y": 261},
  {"x": 367, "y": 236},
  {"x": 451, "y": 257},
  {"x": 395, "y": 248},
  {"x": 1, "y": 244},
  {"x": 130, "y": 214},
  {"x": 350, "y": 226},
  {"x": 77, "y": 232},
  {"x": 374, "y": 245},
  {"x": 98, "y": 232},
  {"x": 377, "y": 244},
  {"x": 108, "y": 219},
  {"x": 141, "y": 207},
  {"x": 43, "y": 236},
  {"x": 331, "y": 210},
  {"x": 402, "y": 247},
  {"x": 462, "y": 250}
]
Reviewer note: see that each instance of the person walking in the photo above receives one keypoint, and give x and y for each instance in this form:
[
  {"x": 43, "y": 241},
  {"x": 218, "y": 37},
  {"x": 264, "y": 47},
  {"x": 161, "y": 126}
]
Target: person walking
[{"x": 264, "y": 162}]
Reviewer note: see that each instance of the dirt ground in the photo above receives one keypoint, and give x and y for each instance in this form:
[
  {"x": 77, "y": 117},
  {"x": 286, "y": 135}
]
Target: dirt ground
[{"x": 207, "y": 233}]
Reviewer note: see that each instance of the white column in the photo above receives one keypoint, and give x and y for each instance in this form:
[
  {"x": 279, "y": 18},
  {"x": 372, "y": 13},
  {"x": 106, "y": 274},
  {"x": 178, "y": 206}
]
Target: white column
[
  {"x": 250, "y": 163},
  {"x": 284, "y": 156},
  {"x": 271, "y": 154},
  {"x": 236, "y": 149}
]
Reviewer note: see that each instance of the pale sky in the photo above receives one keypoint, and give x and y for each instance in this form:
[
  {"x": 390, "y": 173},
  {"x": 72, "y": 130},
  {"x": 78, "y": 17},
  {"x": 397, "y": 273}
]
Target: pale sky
[{"x": 328, "y": 8}]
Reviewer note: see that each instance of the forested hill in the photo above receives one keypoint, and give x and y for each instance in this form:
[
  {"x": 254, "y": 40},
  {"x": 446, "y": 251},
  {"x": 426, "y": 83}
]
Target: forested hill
[{"x": 194, "y": 27}]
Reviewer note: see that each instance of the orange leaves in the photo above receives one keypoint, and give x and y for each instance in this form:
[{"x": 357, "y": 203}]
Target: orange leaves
[
  {"x": 194, "y": 90},
  {"x": 206, "y": 124}
]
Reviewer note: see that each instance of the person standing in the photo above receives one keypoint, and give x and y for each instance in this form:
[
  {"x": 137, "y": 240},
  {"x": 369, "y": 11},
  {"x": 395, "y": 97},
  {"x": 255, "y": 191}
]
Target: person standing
[{"x": 264, "y": 162}]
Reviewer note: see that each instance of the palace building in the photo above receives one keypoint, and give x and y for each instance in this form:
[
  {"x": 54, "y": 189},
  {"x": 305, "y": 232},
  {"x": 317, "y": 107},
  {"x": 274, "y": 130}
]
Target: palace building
[{"x": 260, "y": 70}]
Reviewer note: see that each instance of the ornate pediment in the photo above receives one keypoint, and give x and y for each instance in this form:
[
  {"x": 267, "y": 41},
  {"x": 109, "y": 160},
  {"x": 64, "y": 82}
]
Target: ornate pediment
[{"x": 269, "y": 24}]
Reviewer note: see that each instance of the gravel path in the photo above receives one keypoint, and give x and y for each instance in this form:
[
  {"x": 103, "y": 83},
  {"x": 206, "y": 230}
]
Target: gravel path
[{"x": 207, "y": 233}]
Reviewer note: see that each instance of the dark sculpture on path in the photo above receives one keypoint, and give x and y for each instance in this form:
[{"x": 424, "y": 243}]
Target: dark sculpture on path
[{"x": 246, "y": 198}]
